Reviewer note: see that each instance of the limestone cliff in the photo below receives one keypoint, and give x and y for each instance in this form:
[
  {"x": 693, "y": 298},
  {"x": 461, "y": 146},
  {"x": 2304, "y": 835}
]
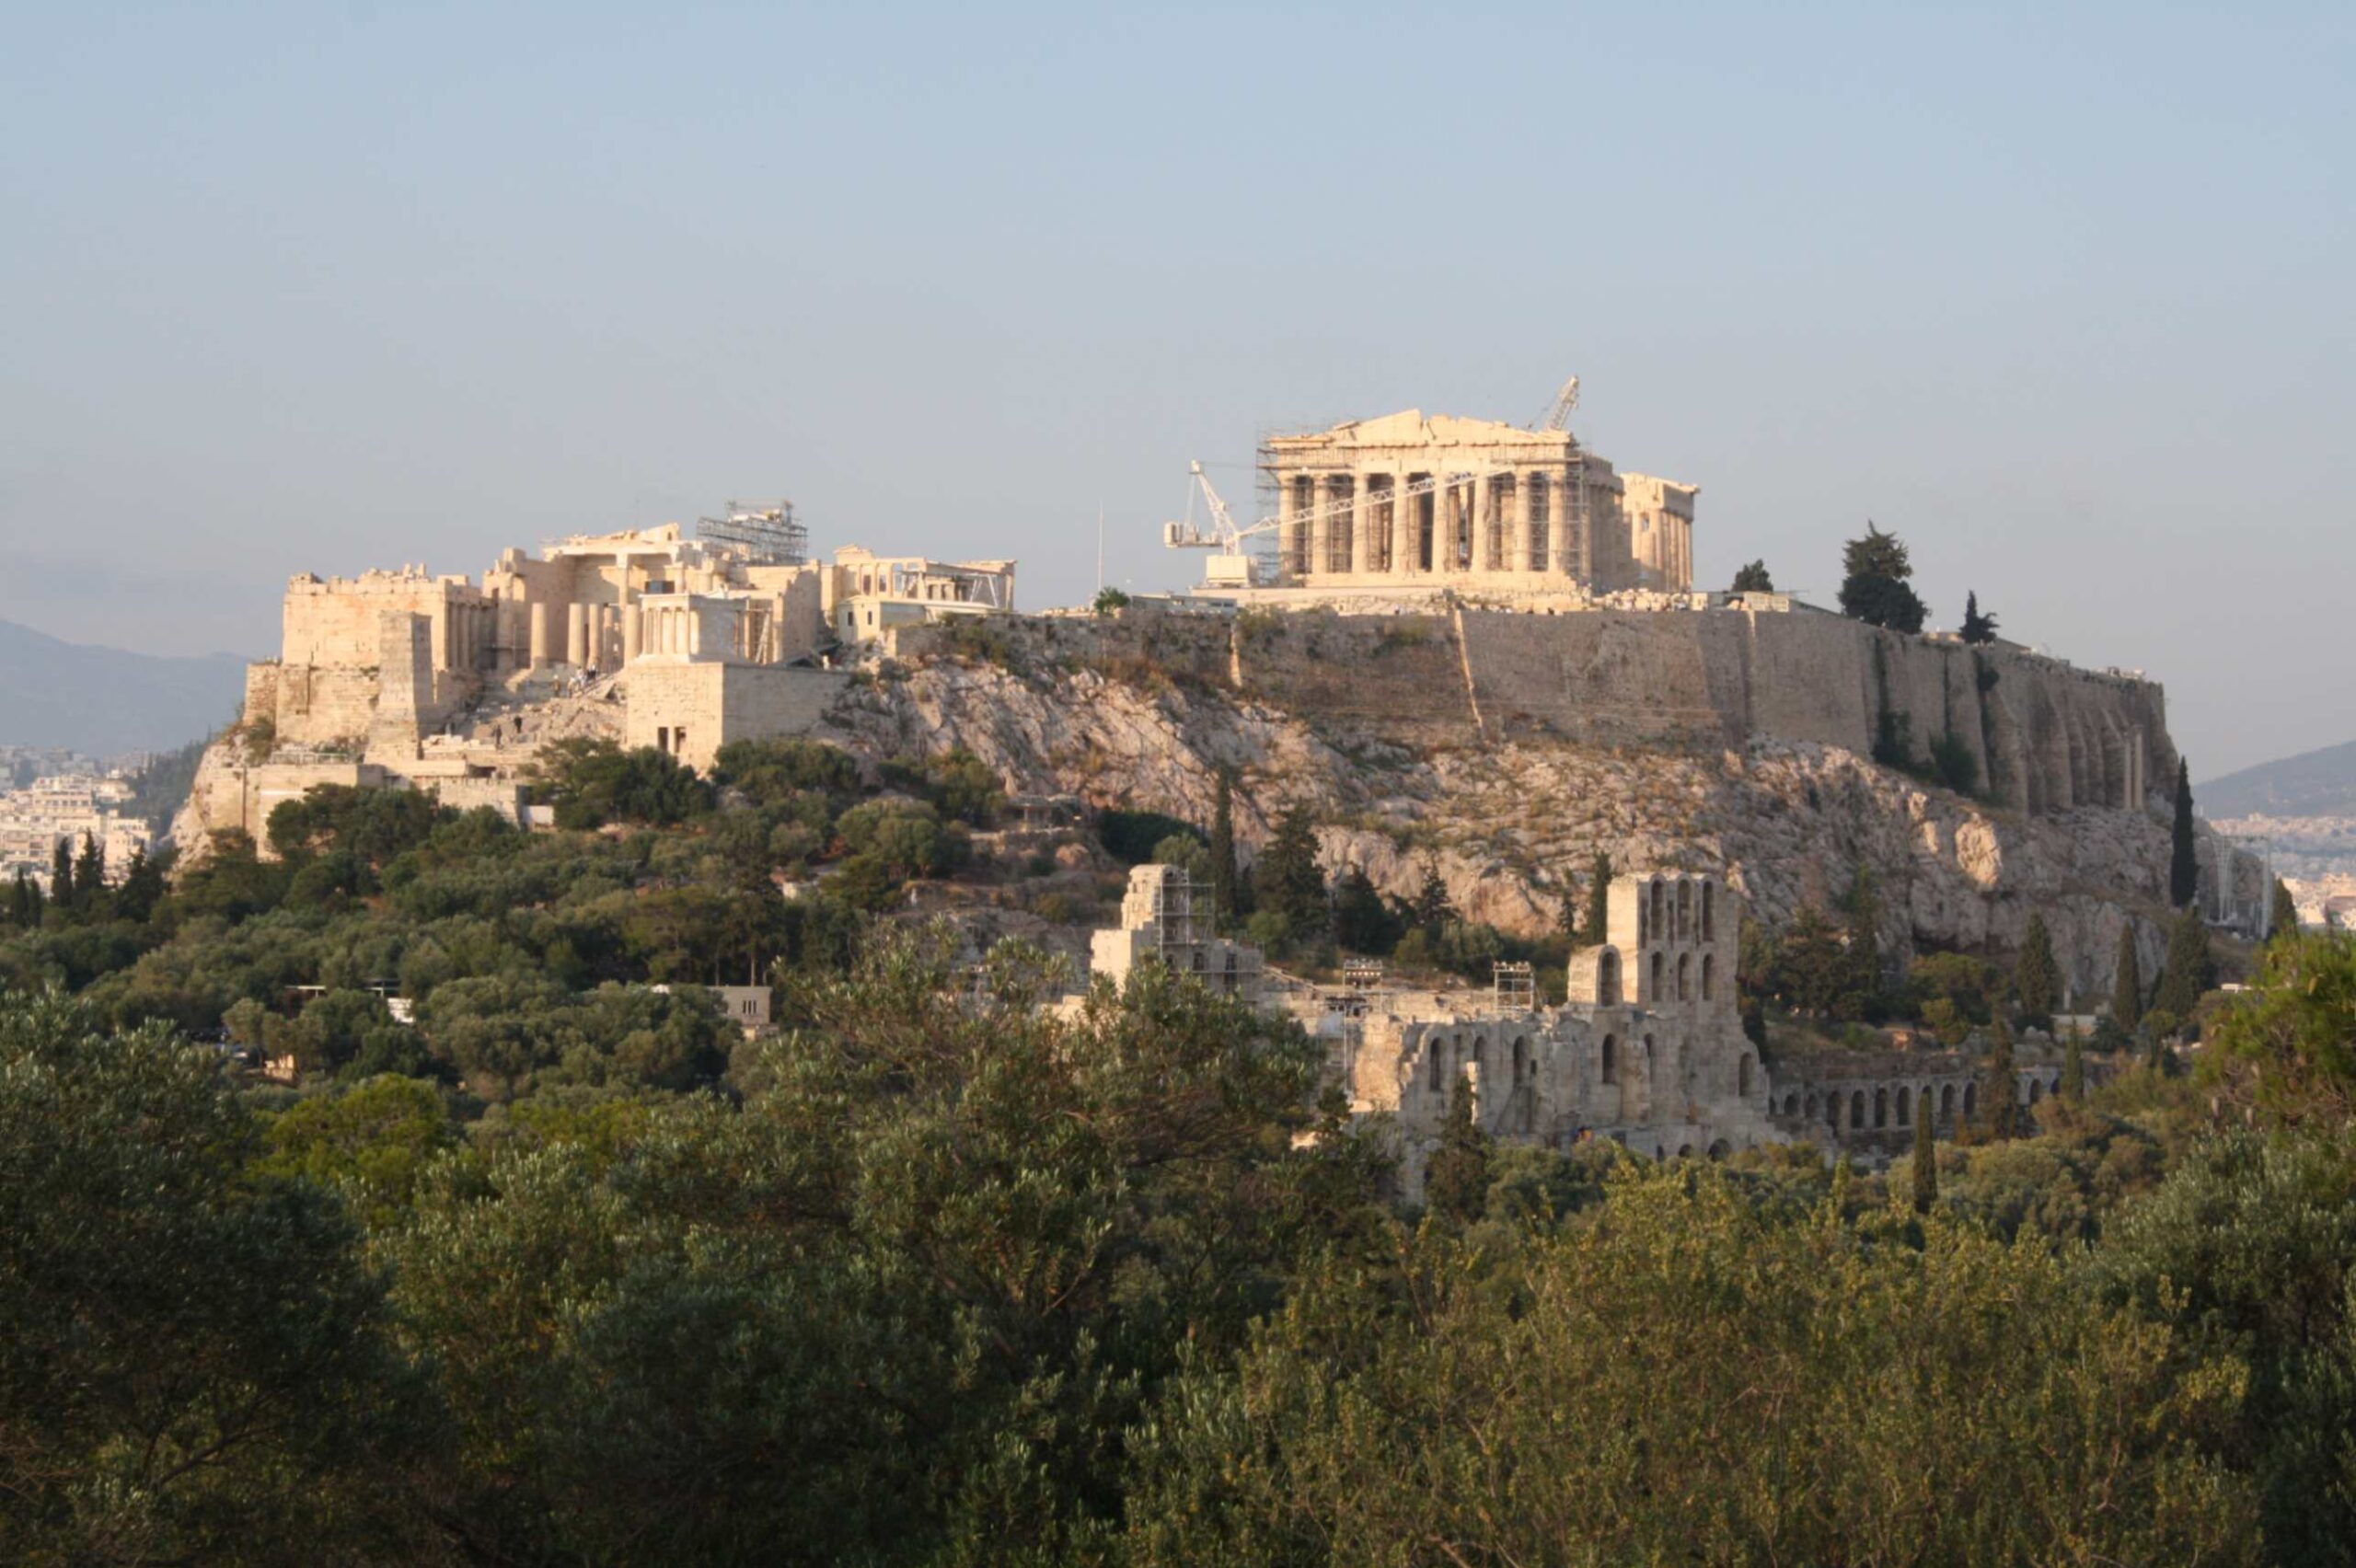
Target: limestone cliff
[{"x": 1423, "y": 738}]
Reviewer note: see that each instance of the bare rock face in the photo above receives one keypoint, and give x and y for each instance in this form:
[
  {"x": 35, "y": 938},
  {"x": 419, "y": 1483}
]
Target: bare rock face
[{"x": 1513, "y": 826}]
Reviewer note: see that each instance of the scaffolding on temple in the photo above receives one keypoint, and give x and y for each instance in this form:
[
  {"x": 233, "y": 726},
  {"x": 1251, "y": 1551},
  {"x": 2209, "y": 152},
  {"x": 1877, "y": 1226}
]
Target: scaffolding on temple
[{"x": 765, "y": 531}]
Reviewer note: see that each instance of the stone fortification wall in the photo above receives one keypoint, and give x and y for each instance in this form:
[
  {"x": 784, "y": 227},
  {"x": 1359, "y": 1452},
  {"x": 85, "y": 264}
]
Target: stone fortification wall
[
  {"x": 2046, "y": 736},
  {"x": 2041, "y": 736}
]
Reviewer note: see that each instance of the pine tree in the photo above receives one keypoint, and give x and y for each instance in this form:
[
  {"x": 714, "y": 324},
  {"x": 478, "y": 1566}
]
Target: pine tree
[
  {"x": 2038, "y": 978},
  {"x": 1977, "y": 628},
  {"x": 1599, "y": 901},
  {"x": 1872, "y": 587},
  {"x": 1753, "y": 579},
  {"x": 1926, "y": 1163},
  {"x": 1456, "y": 1182},
  {"x": 2191, "y": 971},
  {"x": 1223, "y": 846},
  {"x": 2127, "y": 982},
  {"x": 143, "y": 888},
  {"x": 2001, "y": 1088},
  {"x": 2184, "y": 867},
  {"x": 2073, "y": 1072},
  {"x": 2282, "y": 913}
]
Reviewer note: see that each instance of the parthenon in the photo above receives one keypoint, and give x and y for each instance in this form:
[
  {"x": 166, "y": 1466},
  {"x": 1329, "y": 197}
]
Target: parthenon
[{"x": 1410, "y": 499}]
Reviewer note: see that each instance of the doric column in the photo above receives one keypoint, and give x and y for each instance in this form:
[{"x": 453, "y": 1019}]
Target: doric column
[
  {"x": 630, "y": 632},
  {"x": 541, "y": 637},
  {"x": 1523, "y": 481},
  {"x": 1320, "y": 519},
  {"x": 1403, "y": 556}
]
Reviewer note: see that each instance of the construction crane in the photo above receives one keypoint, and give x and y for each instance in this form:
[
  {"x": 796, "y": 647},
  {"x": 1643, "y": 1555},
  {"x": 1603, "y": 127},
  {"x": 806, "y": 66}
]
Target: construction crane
[
  {"x": 1558, "y": 414},
  {"x": 1229, "y": 565}
]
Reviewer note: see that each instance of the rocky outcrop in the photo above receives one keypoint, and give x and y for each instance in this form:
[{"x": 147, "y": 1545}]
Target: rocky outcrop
[{"x": 1511, "y": 823}]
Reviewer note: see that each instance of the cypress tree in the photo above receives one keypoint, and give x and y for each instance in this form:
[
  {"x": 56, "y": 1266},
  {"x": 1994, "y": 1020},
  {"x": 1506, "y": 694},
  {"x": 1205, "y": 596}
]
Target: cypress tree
[
  {"x": 2191, "y": 971},
  {"x": 1977, "y": 628},
  {"x": 2002, "y": 1087},
  {"x": 61, "y": 874},
  {"x": 2073, "y": 1072},
  {"x": 1926, "y": 1164},
  {"x": 1431, "y": 905},
  {"x": 1862, "y": 978},
  {"x": 1223, "y": 846},
  {"x": 1456, "y": 1182},
  {"x": 1599, "y": 901},
  {"x": 1295, "y": 887},
  {"x": 2038, "y": 978},
  {"x": 2282, "y": 913},
  {"x": 2127, "y": 982},
  {"x": 2184, "y": 866},
  {"x": 89, "y": 874}
]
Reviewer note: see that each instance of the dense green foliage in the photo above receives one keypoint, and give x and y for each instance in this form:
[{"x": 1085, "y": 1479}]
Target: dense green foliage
[
  {"x": 1752, "y": 578},
  {"x": 566, "y": 1271}
]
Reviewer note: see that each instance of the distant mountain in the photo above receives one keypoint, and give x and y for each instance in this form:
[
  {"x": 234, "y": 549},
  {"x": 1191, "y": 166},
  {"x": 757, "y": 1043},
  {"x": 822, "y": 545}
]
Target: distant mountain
[
  {"x": 2315, "y": 783},
  {"x": 104, "y": 701}
]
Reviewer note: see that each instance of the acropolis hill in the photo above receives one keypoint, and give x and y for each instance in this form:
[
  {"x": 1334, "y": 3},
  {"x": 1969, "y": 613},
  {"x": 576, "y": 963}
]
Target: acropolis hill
[{"x": 1475, "y": 653}]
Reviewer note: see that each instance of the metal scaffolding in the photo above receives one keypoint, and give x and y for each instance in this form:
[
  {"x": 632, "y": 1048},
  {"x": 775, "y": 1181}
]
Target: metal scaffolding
[{"x": 765, "y": 531}]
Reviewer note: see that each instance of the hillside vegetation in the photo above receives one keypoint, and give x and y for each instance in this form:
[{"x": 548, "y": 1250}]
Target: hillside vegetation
[{"x": 566, "y": 1271}]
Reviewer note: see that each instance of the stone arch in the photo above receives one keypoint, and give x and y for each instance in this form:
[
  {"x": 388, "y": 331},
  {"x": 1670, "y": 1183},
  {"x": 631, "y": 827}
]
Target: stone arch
[
  {"x": 1684, "y": 910},
  {"x": 1709, "y": 919},
  {"x": 1660, "y": 895},
  {"x": 1684, "y": 976},
  {"x": 1856, "y": 1110},
  {"x": 1654, "y": 994},
  {"x": 1946, "y": 1103},
  {"x": 1709, "y": 976},
  {"x": 1970, "y": 1100},
  {"x": 1811, "y": 1105},
  {"x": 1792, "y": 1104},
  {"x": 1720, "y": 1150},
  {"x": 1520, "y": 1059},
  {"x": 1608, "y": 1059},
  {"x": 1905, "y": 1106},
  {"x": 1684, "y": 1151},
  {"x": 1742, "y": 1075},
  {"x": 1481, "y": 1056},
  {"x": 1881, "y": 1109},
  {"x": 1606, "y": 978}
]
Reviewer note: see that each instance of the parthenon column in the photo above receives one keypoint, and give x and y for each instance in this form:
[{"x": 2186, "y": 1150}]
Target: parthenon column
[
  {"x": 1521, "y": 541},
  {"x": 630, "y": 632},
  {"x": 1288, "y": 529},
  {"x": 1403, "y": 507},
  {"x": 1320, "y": 520}
]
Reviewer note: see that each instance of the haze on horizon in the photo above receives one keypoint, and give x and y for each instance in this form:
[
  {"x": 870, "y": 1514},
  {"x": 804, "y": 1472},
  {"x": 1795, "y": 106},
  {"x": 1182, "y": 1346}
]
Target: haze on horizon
[{"x": 2061, "y": 300}]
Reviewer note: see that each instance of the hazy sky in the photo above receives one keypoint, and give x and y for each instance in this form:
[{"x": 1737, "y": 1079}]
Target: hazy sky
[{"x": 2064, "y": 300}]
